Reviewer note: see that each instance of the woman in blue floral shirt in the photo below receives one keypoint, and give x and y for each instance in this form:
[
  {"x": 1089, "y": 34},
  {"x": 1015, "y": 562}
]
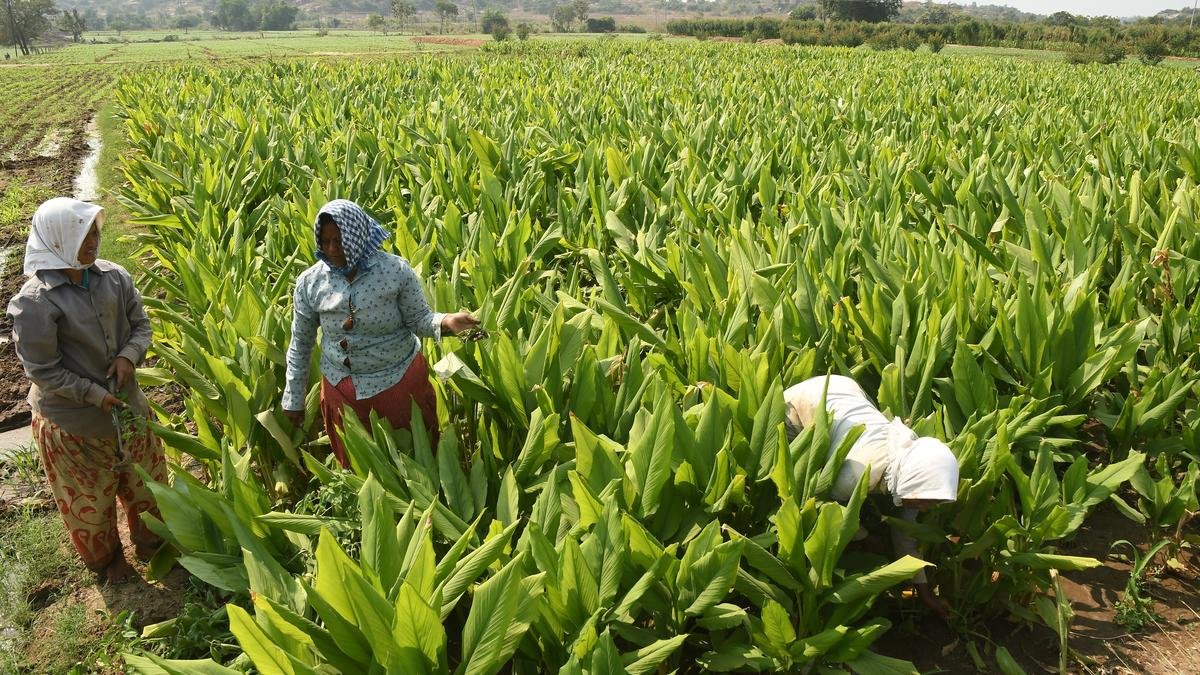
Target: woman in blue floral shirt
[{"x": 372, "y": 314}]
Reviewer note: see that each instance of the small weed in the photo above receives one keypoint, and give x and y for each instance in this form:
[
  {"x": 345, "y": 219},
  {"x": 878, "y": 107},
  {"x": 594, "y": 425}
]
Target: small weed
[
  {"x": 120, "y": 637},
  {"x": 335, "y": 499},
  {"x": 200, "y": 631},
  {"x": 1135, "y": 610},
  {"x": 23, "y": 464}
]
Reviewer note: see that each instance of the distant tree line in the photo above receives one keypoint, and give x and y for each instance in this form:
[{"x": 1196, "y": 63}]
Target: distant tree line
[
  {"x": 240, "y": 15},
  {"x": 1092, "y": 37},
  {"x": 24, "y": 21}
]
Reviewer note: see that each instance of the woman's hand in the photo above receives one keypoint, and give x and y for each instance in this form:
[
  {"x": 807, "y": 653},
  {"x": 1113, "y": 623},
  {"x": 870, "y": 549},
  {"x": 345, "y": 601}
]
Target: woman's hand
[
  {"x": 123, "y": 369},
  {"x": 458, "y": 322},
  {"x": 296, "y": 417},
  {"x": 109, "y": 402},
  {"x": 931, "y": 600}
]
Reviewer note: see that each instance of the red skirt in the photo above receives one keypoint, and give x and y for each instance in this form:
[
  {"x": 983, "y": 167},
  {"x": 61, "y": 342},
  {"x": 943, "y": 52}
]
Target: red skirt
[{"x": 393, "y": 404}]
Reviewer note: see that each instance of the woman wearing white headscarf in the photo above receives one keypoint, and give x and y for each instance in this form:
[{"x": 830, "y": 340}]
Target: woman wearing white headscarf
[
  {"x": 917, "y": 473},
  {"x": 80, "y": 331}
]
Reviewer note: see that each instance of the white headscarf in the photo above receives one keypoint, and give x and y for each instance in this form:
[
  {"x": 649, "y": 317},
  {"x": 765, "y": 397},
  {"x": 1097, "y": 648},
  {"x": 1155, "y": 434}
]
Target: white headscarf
[
  {"x": 922, "y": 468},
  {"x": 59, "y": 227}
]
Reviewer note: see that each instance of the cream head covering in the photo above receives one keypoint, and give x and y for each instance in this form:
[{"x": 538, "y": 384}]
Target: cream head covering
[
  {"x": 59, "y": 227},
  {"x": 922, "y": 468}
]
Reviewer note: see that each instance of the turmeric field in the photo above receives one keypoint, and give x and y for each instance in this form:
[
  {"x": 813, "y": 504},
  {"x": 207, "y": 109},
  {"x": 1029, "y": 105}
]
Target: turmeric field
[{"x": 659, "y": 238}]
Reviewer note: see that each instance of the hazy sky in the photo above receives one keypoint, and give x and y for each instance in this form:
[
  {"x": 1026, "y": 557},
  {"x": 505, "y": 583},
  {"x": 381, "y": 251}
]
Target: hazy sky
[{"x": 1118, "y": 8}]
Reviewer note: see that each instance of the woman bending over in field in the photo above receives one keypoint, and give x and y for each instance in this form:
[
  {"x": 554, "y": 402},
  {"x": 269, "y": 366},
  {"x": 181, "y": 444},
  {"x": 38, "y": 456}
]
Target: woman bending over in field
[
  {"x": 372, "y": 314},
  {"x": 80, "y": 332},
  {"x": 918, "y": 473}
]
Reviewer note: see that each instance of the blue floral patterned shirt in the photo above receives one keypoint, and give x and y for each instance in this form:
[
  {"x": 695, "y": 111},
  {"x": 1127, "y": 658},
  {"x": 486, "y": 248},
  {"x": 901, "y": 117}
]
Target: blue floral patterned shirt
[{"x": 390, "y": 317}]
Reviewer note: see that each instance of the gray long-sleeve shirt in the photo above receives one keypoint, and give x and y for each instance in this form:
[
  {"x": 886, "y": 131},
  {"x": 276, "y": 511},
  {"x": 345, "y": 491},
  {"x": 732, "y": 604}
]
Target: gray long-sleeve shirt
[{"x": 67, "y": 336}]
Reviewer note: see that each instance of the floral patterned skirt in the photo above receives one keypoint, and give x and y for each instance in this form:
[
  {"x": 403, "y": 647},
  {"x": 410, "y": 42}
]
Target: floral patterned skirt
[{"x": 88, "y": 476}]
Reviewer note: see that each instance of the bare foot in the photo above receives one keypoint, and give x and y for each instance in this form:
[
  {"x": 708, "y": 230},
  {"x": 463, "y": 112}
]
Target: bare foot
[
  {"x": 145, "y": 552},
  {"x": 118, "y": 570}
]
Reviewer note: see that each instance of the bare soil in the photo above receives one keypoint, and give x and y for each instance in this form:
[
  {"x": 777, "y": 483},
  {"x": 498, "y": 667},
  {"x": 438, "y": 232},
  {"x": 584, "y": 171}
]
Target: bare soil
[
  {"x": 1098, "y": 643},
  {"x": 14, "y": 409}
]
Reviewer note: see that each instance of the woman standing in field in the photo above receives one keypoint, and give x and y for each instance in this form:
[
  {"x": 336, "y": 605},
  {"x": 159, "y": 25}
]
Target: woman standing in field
[
  {"x": 372, "y": 314},
  {"x": 80, "y": 331}
]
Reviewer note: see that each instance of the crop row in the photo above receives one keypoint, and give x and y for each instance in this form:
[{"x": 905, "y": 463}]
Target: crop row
[{"x": 38, "y": 100}]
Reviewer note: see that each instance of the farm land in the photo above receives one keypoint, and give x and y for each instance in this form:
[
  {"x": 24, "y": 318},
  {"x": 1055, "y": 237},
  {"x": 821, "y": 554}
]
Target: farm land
[{"x": 660, "y": 236}]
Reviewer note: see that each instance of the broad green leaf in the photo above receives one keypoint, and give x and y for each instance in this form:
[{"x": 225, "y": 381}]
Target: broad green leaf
[
  {"x": 418, "y": 632},
  {"x": 777, "y": 626},
  {"x": 493, "y": 608},
  {"x": 1050, "y": 561},
  {"x": 872, "y": 583},
  {"x": 875, "y": 664},
  {"x": 155, "y": 665},
  {"x": 267, "y": 657},
  {"x": 648, "y": 658}
]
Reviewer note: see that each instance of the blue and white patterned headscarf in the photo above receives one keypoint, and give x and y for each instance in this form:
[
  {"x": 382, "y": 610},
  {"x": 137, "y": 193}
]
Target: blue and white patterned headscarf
[{"x": 362, "y": 235}]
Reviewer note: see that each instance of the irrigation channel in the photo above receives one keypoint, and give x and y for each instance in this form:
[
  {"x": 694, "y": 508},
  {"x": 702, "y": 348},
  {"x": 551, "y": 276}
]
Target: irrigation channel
[{"x": 87, "y": 183}]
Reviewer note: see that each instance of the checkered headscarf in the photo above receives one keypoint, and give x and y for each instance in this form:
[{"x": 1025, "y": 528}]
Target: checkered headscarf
[{"x": 362, "y": 235}]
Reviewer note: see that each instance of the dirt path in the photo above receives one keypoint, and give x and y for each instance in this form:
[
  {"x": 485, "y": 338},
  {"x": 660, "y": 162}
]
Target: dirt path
[{"x": 103, "y": 604}]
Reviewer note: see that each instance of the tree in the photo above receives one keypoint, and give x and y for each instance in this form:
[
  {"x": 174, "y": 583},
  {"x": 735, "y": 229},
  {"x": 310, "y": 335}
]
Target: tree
[
  {"x": 185, "y": 22},
  {"x": 445, "y": 10},
  {"x": 873, "y": 11},
  {"x": 277, "y": 15},
  {"x": 73, "y": 22},
  {"x": 377, "y": 22},
  {"x": 493, "y": 20},
  {"x": 935, "y": 15},
  {"x": 562, "y": 18},
  {"x": 605, "y": 24},
  {"x": 404, "y": 11},
  {"x": 1152, "y": 49},
  {"x": 523, "y": 30},
  {"x": 234, "y": 15},
  {"x": 803, "y": 13},
  {"x": 1061, "y": 19},
  {"x": 25, "y": 21},
  {"x": 581, "y": 12}
]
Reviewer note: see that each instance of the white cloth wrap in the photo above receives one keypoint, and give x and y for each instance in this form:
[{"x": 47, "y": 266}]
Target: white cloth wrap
[
  {"x": 58, "y": 230},
  {"x": 901, "y": 464},
  {"x": 925, "y": 469}
]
